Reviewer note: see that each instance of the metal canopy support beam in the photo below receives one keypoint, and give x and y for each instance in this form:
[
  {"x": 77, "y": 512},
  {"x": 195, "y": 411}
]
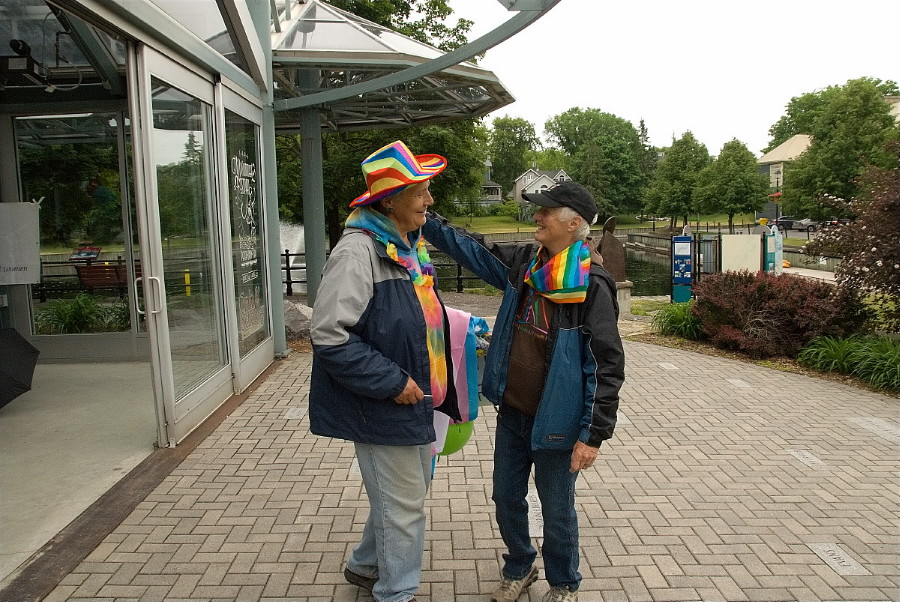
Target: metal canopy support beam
[
  {"x": 313, "y": 194},
  {"x": 249, "y": 46},
  {"x": 463, "y": 53},
  {"x": 261, "y": 17},
  {"x": 85, "y": 37}
]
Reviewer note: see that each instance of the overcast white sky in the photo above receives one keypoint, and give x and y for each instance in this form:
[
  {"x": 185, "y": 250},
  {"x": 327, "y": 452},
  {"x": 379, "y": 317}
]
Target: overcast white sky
[{"x": 720, "y": 69}]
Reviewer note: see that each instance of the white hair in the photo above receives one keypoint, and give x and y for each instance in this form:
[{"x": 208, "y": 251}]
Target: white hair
[{"x": 584, "y": 228}]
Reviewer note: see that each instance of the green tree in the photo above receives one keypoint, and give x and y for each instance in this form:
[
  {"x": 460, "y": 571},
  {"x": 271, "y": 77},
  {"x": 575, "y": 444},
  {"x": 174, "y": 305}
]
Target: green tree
[
  {"x": 512, "y": 141},
  {"x": 551, "y": 159},
  {"x": 672, "y": 190},
  {"x": 850, "y": 132},
  {"x": 731, "y": 184},
  {"x": 607, "y": 154},
  {"x": 422, "y": 20},
  {"x": 802, "y": 111},
  {"x": 608, "y": 168}
]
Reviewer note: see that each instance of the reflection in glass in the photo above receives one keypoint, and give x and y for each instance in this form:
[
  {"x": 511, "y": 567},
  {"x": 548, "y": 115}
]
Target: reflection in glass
[
  {"x": 246, "y": 231},
  {"x": 70, "y": 162},
  {"x": 181, "y": 148}
]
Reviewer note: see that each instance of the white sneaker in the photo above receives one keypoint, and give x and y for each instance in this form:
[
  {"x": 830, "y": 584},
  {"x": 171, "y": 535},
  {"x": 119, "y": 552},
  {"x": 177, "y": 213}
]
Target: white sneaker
[
  {"x": 511, "y": 589},
  {"x": 561, "y": 593}
]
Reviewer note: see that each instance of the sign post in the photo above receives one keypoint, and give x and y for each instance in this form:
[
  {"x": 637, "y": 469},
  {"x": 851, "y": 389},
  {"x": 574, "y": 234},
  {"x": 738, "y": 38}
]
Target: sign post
[{"x": 682, "y": 268}]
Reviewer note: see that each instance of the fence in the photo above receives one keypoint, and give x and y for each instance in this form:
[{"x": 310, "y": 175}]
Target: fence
[{"x": 447, "y": 272}]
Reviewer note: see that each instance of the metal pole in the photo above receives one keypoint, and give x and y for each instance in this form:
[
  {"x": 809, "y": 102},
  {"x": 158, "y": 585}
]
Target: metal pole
[{"x": 313, "y": 191}]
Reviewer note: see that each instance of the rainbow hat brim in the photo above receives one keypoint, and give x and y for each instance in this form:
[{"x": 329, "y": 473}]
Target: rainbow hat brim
[{"x": 393, "y": 167}]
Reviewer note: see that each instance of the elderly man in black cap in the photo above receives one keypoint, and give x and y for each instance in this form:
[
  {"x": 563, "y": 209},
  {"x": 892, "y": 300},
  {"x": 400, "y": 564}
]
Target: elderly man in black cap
[{"x": 554, "y": 369}]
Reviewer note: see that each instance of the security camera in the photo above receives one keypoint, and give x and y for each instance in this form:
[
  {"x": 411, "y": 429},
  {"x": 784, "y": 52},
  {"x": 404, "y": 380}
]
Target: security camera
[{"x": 20, "y": 47}]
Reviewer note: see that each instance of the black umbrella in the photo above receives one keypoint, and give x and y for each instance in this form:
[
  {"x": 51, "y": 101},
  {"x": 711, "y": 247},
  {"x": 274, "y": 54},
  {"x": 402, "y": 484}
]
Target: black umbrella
[{"x": 17, "y": 360}]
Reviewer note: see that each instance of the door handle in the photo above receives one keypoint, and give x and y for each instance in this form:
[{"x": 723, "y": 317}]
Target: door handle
[{"x": 157, "y": 300}]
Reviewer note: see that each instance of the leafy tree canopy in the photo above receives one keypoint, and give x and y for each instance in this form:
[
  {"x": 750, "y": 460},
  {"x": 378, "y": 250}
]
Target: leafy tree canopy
[
  {"x": 608, "y": 168},
  {"x": 671, "y": 192},
  {"x": 608, "y": 155},
  {"x": 850, "y": 132},
  {"x": 550, "y": 159},
  {"x": 731, "y": 184},
  {"x": 422, "y": 20},
  {"x": 512, "y": 141},
  {"x": 802, "y": 111}
]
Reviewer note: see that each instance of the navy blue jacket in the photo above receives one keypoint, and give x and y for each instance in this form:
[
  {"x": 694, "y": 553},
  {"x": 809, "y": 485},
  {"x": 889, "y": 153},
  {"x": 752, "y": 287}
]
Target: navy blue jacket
[
  {"x": 585, "y": 361},
  {"x": 368, "y": 336}
]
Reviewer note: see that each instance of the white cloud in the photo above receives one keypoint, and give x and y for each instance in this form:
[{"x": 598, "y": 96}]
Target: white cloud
[{"x": 720, "y": 69}]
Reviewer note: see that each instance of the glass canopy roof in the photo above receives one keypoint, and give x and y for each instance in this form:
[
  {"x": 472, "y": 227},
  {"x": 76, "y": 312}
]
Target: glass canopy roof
[
  {"x": 315, "y": 48},
  {"x": 330, "y": 49}
]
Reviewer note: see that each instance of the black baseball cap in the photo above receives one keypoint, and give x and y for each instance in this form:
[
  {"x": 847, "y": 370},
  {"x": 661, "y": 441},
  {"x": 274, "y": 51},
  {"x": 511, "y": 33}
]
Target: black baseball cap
[{"x": 566, "y": 194}]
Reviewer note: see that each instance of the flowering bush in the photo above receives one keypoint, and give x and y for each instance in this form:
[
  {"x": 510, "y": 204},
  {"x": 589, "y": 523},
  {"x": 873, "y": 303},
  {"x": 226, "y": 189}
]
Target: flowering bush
[{"x": 870, "y": 245}]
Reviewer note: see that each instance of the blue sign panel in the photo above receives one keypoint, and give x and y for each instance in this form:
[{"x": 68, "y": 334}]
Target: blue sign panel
[{"x": 682, "y": 257}]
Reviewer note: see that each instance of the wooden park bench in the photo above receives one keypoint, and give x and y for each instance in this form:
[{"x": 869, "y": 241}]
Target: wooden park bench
[{"x": 105, "y": 276}]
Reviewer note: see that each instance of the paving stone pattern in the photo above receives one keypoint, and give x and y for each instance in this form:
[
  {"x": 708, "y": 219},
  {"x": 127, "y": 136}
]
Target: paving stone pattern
[{"x": 725, "y": 481}]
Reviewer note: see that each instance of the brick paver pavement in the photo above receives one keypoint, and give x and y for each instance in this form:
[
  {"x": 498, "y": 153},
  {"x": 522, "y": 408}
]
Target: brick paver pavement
[{"x": 725, "y": 481}]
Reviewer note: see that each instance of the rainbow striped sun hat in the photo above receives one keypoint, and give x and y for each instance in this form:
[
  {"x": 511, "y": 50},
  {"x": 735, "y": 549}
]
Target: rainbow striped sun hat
[{"x": 393, "y": 167}]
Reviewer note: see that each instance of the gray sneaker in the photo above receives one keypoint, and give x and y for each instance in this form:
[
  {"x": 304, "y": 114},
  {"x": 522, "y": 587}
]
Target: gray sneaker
[
  {"x": 511, "y": 589},
  {"x": 367, "y": 583},
  {"x": 561, "y": 593}
]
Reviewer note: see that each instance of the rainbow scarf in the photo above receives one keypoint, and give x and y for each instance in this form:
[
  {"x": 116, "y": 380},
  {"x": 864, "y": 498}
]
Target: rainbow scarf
[
  {"x": 421, "y": 271},
  {"x": 564, "y": 277}
]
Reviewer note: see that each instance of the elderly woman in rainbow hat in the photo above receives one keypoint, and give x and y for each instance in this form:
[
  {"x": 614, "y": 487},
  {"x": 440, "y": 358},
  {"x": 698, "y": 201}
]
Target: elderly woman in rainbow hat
[{"x": 379, "y": 364}]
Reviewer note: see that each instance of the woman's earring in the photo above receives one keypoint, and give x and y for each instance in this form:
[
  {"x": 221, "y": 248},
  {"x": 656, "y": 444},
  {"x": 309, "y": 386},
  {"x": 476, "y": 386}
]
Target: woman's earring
[{"x": 389, "y": 210}]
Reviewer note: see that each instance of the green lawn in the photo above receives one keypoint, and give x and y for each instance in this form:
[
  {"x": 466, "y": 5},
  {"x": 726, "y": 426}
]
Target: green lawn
[{"x": 499, "y": 223}]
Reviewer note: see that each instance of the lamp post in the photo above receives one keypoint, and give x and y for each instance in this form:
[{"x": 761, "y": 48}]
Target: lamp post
[{"x": 777, "y": 190}]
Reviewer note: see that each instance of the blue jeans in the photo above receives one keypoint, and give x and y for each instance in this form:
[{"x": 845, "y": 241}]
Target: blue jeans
[
  {"x": 396, "y": 478},
  {"x": 513, "y": 459}
]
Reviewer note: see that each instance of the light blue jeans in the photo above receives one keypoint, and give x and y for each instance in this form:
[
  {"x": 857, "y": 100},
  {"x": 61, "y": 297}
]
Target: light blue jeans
[{"x": 396, "y": 478}]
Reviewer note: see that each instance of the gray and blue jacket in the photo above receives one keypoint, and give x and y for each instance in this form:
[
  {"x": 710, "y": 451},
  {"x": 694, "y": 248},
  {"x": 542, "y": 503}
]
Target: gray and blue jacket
[
  {"x": 585, "y": 359},
  {"x": 368, "y": 336}
]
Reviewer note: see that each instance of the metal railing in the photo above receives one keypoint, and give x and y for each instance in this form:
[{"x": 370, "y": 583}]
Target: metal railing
[{"x": 295, "y": 273}]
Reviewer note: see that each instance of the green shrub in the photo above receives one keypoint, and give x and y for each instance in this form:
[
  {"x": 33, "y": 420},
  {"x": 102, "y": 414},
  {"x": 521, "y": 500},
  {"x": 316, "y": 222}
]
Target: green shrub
[
  {"x": 831, "y": 354},
  {"x": 84, "y": 313},
  {"x": 676, "y": 319},
  {"x": 873, "y": 359},
  {"x": 878, "y": 363}
]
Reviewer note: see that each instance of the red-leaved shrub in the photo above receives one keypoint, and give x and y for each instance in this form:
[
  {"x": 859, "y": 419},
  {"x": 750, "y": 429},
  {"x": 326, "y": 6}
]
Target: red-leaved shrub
[{"x": 766, "y": 315}]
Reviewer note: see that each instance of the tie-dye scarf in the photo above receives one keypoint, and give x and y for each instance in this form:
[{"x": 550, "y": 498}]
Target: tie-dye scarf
[
  {"x": 564, "y": 277},
  {"x": 418, "y": 263}
]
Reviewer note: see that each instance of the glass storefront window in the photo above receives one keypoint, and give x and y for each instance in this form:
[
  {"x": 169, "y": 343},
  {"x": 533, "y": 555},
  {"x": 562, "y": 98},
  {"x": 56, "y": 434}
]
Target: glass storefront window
[
  {"x": 246, "y": 231},
  {"x": 71, "y": 164}
]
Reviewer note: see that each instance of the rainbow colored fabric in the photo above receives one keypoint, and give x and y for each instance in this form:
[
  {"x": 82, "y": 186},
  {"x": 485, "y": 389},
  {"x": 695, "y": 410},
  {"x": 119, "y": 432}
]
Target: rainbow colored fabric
[
  {"x": 393, "y": 167},
  {"x": 564, "y": 277},
  {"x": 421, "y": 271}
]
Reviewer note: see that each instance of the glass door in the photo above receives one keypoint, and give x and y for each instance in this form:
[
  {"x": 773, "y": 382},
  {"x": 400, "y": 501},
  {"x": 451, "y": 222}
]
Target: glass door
[
  {"x": 182, "y": 270},
  {"x": 242, "y": 182}
]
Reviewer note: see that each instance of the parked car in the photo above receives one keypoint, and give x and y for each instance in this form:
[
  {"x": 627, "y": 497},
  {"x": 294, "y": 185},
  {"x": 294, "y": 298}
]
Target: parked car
[
  {"x": 836, "y": 221},
  {"x": 786, "y": 222}
]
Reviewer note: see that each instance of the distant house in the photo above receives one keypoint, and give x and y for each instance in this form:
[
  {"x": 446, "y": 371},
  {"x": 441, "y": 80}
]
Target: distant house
[
  {"x": 772, "y": 164},
  {"x": 491, "y": 192},
  {"x": 536, "y": 180}
]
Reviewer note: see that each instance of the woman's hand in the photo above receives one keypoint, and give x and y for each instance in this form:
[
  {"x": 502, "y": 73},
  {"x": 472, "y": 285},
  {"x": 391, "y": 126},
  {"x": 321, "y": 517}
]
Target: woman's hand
[{"x": 411, "y": 393}]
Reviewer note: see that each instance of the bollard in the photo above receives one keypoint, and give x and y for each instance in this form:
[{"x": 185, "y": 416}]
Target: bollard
[{"x": 187, "y": 283}]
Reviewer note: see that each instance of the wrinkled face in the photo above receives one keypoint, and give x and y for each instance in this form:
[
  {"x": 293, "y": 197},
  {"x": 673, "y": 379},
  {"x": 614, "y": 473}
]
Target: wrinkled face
[
  {"x": 409, "y": 207},
  {"x": 554, "y": 233}
]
